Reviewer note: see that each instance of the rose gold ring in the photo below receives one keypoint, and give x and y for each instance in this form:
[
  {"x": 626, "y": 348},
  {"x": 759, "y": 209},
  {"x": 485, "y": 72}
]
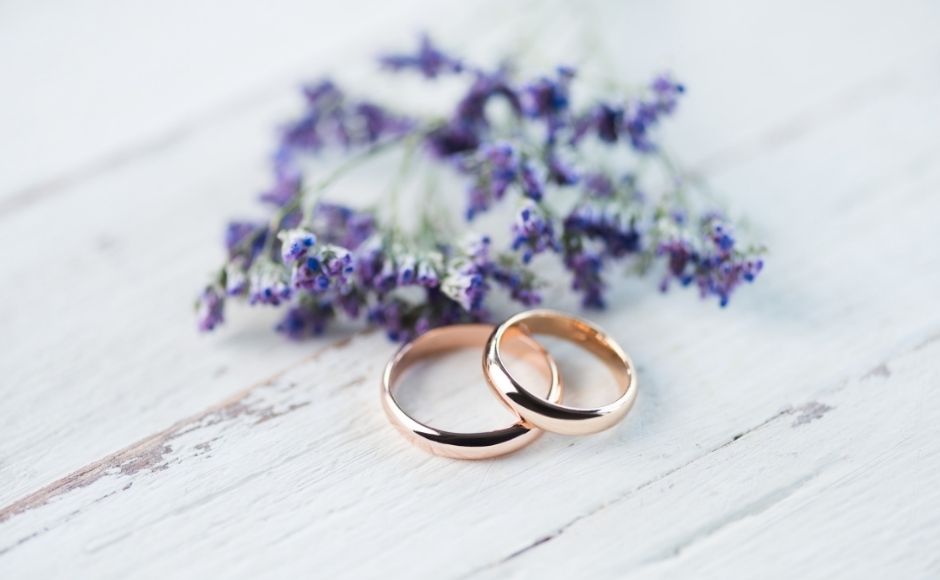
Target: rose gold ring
[
  {"x": 463, "y": 445},
  {"x": 549, "y": 415}
]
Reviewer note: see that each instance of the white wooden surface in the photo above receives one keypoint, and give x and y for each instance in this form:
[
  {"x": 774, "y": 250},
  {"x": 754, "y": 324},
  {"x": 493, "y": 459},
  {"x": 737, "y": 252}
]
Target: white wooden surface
[{"x": 796, "y": 434}]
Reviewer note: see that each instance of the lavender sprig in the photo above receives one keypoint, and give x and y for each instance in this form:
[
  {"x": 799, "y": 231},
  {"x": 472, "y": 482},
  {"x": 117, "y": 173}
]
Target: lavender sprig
[{"x": 565, "y": 171}]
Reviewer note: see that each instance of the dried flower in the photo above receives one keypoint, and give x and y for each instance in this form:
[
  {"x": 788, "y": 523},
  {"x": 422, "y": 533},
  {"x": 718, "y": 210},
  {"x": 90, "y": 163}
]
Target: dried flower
[
  {"x": 267, "y": 283},
  {"x": 430, "y": 61},
  {"x": 713, "y": 263},
  {"x": 585, "y": 266},
  {"x": 321, "y": 259},
  {"x": 295, "y": 244},
  {"x": 244, "y": 237},
  {"x": 533, "y": 232},
  {"x": 210, "y": 308},
  {"x": 308, "y": 317}
]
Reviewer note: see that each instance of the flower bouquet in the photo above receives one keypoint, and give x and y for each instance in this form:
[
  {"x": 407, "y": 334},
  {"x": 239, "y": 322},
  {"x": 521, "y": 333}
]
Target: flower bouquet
[{"x": 580, "y": 179}]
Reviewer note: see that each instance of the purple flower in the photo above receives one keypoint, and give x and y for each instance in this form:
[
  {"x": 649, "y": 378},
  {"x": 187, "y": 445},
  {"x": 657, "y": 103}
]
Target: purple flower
[
  {"x": 327, "y": 258},
  {"x": 585, "y": 267},
  {"x": 295, "y": 244},
  {"x": 375, "y": 123},
  {"x": 680, "y": 254},
  {"x": 533, "y": 232},
  {"x": 387, "y": 278},
  {"x": 468, "y": 127},
  {"x": 236, "y": 276},
  {"x": 502, "y": 163},
  {"x": 332, "y": 118},
  {"x": 722, "y": 238},
  {"x": 308, "y": 275},
  {"x": 560, "y": 172},
  {"x": 471, "y": 110},
  {"x": 388, "y": 314},
  {"x": 329, "y": 267},
  {"x": 351, "y": 300},
  {"x": 533, "y": 182},
  {"x": 465, "y": 280},
  {"x": 608, "y": 119},
  {"x": 638, "y": 120},
  {"x": 369, "y": 262},
  {"x": 407, "y": 270},
  {"x": 477, "y": 249},
  {"x": 599, "y": 185},
  {"x": 618, "y": 235},
  {"x": 495, "y": 168},
  {"x": 520, "y": 282},
  {"x": 307, "y": 318},
  {"x": 403, "y": 320},
  {"x": 467, "y": 287},
  {"x": 324, "y": 112},
  {"x": 479, "y": 199},
  {"x": 337, "y": 263},
  {"x": 715, "y": 266},
  {"x": 426, "y": 274},
  {"x": 430, "y": 61},
  {"x": 304, "y": 133},
  {"x": 667, "y": 92},
  {"x": 451, "y": 139},
  {"x": 287, "y": 179},
  {"x": 267, "y": 284},
  {"x": 210, "y": 309},
  {"x": 632, "y": 120},
  {"x": 641, "y": 115},
  {"x": 244, "y": 237},
  {"x": 342, "y": 225},
  {"x": 322, "y": 94},
  {"x": 590, "y": 223},
  {"x": 547, "y": 97}
]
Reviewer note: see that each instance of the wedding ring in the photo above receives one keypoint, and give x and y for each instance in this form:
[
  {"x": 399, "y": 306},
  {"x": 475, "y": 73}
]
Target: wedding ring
[
  {"x": 464, "y": 445},
  {"x": 550, "y": 415}
]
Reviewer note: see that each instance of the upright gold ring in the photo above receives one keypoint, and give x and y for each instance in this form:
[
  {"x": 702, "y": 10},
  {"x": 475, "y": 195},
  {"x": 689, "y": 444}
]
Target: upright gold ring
[
  {"x": 550, "y": 415},
  {"x": 463, "y": 445}
]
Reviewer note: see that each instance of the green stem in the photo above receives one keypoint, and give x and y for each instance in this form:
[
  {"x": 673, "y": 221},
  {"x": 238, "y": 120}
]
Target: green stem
[
  {"x": 410, "y": 147},
  {"x": 318, "y": 188},
  {"x": 299, "y": 200}
]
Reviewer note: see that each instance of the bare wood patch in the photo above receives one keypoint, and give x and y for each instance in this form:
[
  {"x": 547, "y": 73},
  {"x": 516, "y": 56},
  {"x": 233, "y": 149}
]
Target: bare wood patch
[{"x": 152, "y": 452}]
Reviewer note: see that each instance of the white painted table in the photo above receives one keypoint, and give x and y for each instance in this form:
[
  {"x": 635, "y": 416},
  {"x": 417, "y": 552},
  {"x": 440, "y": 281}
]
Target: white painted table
[{"x": 795, "y": 435}]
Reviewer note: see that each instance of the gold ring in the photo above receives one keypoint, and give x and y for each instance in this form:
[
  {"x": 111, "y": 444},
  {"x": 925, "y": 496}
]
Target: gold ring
[
  {"x": 549, "y": 415},
  {"x": 462, "y": 445}
]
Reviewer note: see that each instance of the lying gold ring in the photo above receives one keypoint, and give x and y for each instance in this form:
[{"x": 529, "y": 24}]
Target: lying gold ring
[
  {"x": 462, "y": 445},
  {"x": 549, "y": 415}
]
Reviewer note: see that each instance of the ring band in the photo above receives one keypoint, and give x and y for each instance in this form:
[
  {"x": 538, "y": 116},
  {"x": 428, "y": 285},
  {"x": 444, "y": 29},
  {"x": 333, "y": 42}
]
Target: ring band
[
  {"x": 550, "y": 415},
  {"x": 462, "y": 445}
]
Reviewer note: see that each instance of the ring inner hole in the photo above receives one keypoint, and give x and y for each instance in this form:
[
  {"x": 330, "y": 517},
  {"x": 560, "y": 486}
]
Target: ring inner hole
[
  {"x": 447, "y": 390},
  {"x": 589, "y": 381}
]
